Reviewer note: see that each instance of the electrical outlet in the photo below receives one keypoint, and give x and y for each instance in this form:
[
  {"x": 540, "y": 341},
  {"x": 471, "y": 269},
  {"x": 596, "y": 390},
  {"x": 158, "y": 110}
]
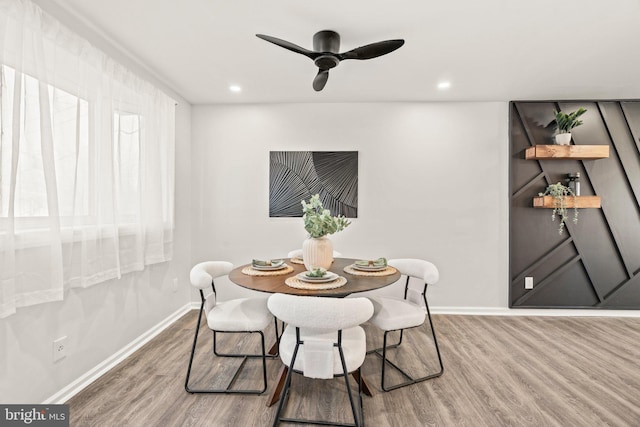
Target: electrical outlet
[
  {"x": 59, "y": 348},
  {"x": 175, "y": 284},
  {"x": 528, "y": 282}
]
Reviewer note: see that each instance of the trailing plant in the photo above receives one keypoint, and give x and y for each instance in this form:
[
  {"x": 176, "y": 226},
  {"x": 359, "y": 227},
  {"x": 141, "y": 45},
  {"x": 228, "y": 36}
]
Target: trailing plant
[
  {"x": 318, "y": 221},
  {"x": 566, "y": 122},
  {"x": 560, "y": 193}
]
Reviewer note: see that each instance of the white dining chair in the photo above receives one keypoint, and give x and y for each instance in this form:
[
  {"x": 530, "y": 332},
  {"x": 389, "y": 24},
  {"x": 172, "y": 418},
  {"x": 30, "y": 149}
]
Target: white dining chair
[
  {"x": 404, "y": 311},
  {"x": 240, "y": 315},
  {"x": 322, "y": 339}
]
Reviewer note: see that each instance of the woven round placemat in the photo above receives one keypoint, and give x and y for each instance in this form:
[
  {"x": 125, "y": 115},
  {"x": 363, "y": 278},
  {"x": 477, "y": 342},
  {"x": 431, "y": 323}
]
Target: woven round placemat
[
  {"x": 386, "y": 272},
  {"x": 250, "y": 271},
  {"x": 294, "y": 282},
  {"x": 297, "y": 261}
]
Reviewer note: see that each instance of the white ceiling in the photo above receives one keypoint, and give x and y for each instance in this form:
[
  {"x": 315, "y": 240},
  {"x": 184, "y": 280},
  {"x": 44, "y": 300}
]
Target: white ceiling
[{"x": 490, "y": 50}]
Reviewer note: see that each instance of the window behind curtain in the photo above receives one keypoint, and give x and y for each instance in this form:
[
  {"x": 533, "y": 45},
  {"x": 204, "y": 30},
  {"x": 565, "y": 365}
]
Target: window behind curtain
[
  {"x": 86, "y": 163},
  {"x": 126, "y": 137},
  {"x": 69, "y": 119}
]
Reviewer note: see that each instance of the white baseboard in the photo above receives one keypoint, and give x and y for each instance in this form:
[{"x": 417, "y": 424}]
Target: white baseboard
[
  {"x": 76, "y": 386},
  {"x": 504, "y": 311}
]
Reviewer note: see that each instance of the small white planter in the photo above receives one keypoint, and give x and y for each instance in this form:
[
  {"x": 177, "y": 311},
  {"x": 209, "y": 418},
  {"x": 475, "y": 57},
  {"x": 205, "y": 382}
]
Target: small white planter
[{"x": 563, "y": 138}]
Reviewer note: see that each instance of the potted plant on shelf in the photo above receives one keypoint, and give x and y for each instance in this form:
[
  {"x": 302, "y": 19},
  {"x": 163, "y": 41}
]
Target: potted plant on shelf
[
  {"x": 566, "y": 122},
  {"x": 560, "y": 193},
  {"x": 317, "y": 249}
]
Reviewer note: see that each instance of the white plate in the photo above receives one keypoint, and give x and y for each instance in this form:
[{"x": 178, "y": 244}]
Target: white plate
[
  {"x": 368, "y": 267},
  {"x": 330, "y": 276},
  {"x": 268, "y": 267}
]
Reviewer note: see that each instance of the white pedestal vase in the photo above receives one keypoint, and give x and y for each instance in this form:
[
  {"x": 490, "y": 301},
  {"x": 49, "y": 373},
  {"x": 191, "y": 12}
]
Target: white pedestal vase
[
  {"x": 563, "y": 138},
  {"x": 317, "y": 252}
]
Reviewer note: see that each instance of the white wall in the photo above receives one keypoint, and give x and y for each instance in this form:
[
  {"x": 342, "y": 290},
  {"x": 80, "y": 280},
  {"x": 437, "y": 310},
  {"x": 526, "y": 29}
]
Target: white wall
[
  {"x": 100, "y": 320},
  {"x": 432, "y": 184}
]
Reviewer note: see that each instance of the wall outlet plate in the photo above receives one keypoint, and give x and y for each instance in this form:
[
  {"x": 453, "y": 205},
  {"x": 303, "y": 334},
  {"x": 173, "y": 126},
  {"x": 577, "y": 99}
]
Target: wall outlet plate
[
  {"x": 59, "y": 348},
  {"x": 528, "y": 282}
]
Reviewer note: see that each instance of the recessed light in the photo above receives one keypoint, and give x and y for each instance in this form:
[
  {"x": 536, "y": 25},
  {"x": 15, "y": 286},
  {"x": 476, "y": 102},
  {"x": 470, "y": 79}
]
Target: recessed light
[
  {"x": 235, "y": 88},
  {"x": 444, "y": 85}
]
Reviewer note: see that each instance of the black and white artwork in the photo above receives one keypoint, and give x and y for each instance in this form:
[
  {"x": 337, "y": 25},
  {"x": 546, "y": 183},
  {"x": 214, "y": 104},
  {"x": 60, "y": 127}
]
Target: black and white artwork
[{"x": 297, "y": 175}]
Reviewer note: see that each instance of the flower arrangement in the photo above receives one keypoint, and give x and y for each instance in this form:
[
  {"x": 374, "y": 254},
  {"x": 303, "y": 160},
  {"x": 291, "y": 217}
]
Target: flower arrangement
[
  {"x": 318, "y": 221},
  {"x": 560, "y": 193}
]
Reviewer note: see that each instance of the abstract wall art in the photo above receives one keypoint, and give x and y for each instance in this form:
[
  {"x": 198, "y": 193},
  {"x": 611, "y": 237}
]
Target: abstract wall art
[{"x": 297, "y": 175}]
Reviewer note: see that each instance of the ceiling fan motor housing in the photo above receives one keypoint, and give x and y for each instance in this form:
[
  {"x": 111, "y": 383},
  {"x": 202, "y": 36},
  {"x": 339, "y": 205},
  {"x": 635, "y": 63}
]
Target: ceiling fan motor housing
[
  {"x": 326, "y": 62},
  {"x": 326, "y": 41}
]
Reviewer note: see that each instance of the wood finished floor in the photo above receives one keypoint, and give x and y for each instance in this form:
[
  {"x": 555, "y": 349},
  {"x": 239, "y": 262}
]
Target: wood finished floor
[{"x": 499, "y": 371}]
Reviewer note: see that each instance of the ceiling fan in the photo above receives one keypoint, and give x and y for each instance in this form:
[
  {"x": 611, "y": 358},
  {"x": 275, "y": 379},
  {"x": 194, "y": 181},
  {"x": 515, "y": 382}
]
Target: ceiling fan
[{"x": 325, "y": 53}]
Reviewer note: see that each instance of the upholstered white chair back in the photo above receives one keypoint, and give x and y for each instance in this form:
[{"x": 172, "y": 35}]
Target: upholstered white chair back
[
  {"x": 203, "y": 274},
  {"x": 296, "y": 253},
  {"x": 320, "y": 313},
  {"x": 417, "y": 268}
]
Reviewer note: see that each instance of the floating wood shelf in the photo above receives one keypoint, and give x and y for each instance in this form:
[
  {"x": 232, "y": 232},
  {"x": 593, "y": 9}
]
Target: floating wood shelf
[
  {"x": 574, "y": 152},
  {"x": 571, "y": 202}
]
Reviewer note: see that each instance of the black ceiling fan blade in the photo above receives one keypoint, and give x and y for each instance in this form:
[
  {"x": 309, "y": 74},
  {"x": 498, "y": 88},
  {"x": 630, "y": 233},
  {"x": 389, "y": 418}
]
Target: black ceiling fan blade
[
  {"x": 320, "y": 80},
  {"x": 372, "y": 50},
  {"x": 288, "y": 45}
]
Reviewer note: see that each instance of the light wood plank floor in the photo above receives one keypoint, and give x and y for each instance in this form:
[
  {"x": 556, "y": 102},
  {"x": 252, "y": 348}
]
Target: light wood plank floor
[{"x": 499, "y": 371}]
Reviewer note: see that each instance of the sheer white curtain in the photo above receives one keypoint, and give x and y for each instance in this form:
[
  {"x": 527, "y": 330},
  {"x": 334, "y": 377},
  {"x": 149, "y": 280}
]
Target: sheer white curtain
[{"x": 86, "y": 163}]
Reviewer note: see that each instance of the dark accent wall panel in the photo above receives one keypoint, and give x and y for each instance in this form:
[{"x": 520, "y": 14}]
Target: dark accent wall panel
[{"x": 595, "y": 263}]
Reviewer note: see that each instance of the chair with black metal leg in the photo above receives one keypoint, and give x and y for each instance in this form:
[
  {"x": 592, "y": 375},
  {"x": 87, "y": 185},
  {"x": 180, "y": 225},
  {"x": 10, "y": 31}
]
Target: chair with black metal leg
[
  {"x": 322, "y": 339},
  {"x": 401, "y": 312},
  {"x": 240, "y": 315}
]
